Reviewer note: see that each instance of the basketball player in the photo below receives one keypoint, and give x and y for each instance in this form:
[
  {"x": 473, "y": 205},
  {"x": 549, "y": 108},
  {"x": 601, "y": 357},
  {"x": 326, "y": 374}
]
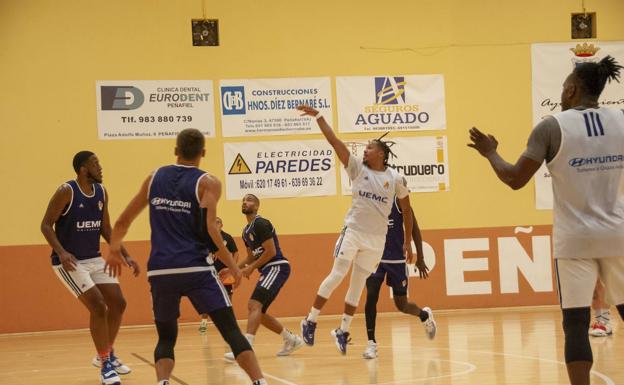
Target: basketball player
[
  {"x": 177, "y": 264},
  {"x": 374, "y": 186},
  {"x": 76, "y": 218},
  {"x": 601, "y": 327},
  {"x": 264, "y": 253},
  {"x": 393, "y": 267},
  {"x": 582, "y": 146},
  {"x": 227, "y": 283}
]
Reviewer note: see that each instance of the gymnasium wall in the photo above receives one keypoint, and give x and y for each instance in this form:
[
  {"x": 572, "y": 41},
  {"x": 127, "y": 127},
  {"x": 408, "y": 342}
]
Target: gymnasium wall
[{"x": 51, "y": 54}]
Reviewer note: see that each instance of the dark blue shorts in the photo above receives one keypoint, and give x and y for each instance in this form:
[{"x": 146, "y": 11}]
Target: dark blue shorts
[
  {"x": 203, "y": 289},
  {"x": 271, "y": 280},
  {"x": 396, "y": 276}
]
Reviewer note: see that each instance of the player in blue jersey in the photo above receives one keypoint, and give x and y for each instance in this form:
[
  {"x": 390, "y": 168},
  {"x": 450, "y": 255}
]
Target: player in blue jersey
[
  {"x": 227, "y": 281},
  {"x": 264, "y": 253},
  {"x": 76, "y": 218},
  {"x": 393, "y": 267},
  {"x": 182, "y": 203}
]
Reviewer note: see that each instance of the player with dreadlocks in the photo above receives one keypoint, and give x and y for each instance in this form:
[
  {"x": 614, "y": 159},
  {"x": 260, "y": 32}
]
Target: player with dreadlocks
[
  {"x": 582, "y": 146},
  {"x": 374, "y": 186}
]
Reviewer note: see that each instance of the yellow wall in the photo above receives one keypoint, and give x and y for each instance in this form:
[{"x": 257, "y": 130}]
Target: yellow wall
[{"x": 53, "y": 51}]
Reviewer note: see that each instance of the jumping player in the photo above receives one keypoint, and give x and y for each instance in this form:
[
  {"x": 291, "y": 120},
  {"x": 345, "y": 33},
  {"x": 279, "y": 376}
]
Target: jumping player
[
  {"x": 374, "y": 186},
  {"x": 177, "y": 264},
  {"x": 393, "y": 268},
  {"x": 582, "y": 146},
  {"x": 264, "y": 253},
  {"x": 76, "y": 218}
]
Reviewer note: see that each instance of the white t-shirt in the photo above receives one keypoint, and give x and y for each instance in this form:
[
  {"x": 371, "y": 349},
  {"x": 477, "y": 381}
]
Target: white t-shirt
[
  {"x": 373, "y": 196},
  {"x": 588, "y": 184}
]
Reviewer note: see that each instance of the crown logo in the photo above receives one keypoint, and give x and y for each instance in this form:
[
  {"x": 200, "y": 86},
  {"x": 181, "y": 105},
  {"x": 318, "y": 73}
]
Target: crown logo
[{"x": 585, "y": 50}]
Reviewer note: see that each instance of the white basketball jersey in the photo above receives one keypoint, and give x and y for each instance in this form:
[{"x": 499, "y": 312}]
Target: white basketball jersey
[
  {"x": 588, "y": 184},
  {"x": 373, "y": 196}
]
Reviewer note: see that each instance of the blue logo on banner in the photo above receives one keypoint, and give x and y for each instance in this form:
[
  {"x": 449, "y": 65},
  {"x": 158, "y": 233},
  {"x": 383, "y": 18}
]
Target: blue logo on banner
[
  {"x": 233, "y": 100},
  {"x": 390, "y": 90}
]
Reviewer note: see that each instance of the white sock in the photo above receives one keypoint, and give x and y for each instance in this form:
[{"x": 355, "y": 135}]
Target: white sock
[
  {"x": 314, "y": 313},
  {"x": 163, "y": 382},
  {"x": 285, "y": 334},
  {"x": 605, "y": 314},
  {"x": 261, "y": 381},
  {"x": 250, "y": 338},
  {"x": 346, "y": 322}
]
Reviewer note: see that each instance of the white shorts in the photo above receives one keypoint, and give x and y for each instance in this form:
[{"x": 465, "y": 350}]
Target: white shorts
[
  {"x": 364, "y": 249},
  {"x": 577, "y": 278},
  {"x": 88, "y": 273}
]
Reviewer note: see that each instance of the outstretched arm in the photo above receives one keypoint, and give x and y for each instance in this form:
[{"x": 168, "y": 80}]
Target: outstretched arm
[
  {"x": 115, "y": 259},
  {"x": 341, "y": 149},
  {"x": 514, "y": 175}
]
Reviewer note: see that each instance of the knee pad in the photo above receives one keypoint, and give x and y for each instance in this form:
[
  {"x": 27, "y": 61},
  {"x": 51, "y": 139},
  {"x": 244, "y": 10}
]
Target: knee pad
[
  {"x": 336, "y": 275},
  {"x": 575, "y": 325},
  {"x": 225, "y": 321},
  {"x": 167, "y": 336},
  {"x": 356, "y": 285}
]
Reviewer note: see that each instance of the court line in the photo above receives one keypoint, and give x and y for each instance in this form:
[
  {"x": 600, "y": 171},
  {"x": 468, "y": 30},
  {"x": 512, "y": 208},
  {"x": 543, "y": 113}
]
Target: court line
[
  {"x": 607, "y": 380},
  {"x": 283, "y": 381},
  {"x": 152, "y": 365}
]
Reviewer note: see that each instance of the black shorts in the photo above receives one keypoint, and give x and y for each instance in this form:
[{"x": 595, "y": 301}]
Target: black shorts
[{"x": 272, "y": 278}]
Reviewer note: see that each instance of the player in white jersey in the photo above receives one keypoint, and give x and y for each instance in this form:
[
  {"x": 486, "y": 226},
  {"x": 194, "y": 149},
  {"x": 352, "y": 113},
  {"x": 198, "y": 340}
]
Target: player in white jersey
[
  {"x": 363, "y": 237},
  {"x": 584, "y": 149}
]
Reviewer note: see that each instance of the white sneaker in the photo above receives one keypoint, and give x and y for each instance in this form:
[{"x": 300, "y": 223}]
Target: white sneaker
[
  {"x": 600, "y": 328},
  {"x": 371, "y": 350},
  {"x": 429, "y": 324},
  {"x": 203, "y": 326},
  {"x": 291, "y": 344},
  {"x": 119, "y": 366},
  {"x": 229, "y": 356}
]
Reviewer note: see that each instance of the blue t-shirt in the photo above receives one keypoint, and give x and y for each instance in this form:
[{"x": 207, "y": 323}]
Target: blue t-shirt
[
  {"x": 393, "y": 250},
  {"x": 79, "y": 227},
  {"x": 179, "y": 239},
  {"x": 257, "y": 232}
]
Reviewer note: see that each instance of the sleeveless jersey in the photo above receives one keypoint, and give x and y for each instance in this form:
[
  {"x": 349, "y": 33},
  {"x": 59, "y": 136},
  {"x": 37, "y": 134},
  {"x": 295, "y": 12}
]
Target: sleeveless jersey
[
  {"x": 79, "y": 227},
  {"x": 588, "y": 184},
  {"x": 393, "y": 250},
  {"x": 256, "y": 233},
  {"x": 179, "y": 239},
  {"x": 373, "y": 195}
]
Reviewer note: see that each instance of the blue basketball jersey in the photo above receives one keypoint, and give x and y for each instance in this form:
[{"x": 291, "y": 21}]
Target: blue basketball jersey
[
  {"x": 256, "y": 233},
  {"x": 178, "y": 239},
  {"x": 79, "y": 227},
  {"x": 393, "y": 250}
]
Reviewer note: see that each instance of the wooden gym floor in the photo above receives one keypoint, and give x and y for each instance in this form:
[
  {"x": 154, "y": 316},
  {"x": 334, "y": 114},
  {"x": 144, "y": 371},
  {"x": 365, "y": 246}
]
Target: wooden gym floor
[{"x": 485, "y": 347}]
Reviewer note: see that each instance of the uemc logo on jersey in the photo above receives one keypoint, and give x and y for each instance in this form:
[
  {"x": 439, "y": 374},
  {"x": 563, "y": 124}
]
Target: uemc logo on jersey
[
  {"x": 114, "y": 98},
  {"x": 595, "y": 160},
  {"x": 233, "y": 100},
  {"x": 88, "y": 225},
  {"x": 372, "y": 196}
]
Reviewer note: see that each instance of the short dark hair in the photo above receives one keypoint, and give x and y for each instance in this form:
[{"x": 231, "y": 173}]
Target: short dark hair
[
  {"x": 594, "y": 76},
  {"x": 80, "y": 159},
  {"x": 190, "y": 143},
  {"x": 254, "y": 197}
]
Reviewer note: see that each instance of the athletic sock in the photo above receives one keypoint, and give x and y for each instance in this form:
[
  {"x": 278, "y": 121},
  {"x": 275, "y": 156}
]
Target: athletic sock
[
  {"x": 286, "y": 334},
  {"x": 314, "y": 313},
  {"x": 346, "y": 322},
  {"x": 104, "y": 356},
  {"x": 163, "y": 382},
  {"x": 261, "y": 381},
  {"x": 605, "y": 314},
  {"x": 423, "y": 315},
  {"x": 250, "y": 338}
]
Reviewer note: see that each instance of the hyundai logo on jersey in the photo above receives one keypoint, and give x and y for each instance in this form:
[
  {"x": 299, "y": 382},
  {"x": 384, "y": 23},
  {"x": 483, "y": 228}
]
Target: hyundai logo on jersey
[{"x": 595, "y": 160}]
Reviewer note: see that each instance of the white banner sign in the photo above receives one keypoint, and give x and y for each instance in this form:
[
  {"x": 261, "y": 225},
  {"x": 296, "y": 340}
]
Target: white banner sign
[
  {"x": 140, "y": 109},
  {"x": 422, "y": 160},
  {"x": 267, "y": 106},
  {"x": 551, "y": 64},
  {"x": 279, "y": 169},
  {"x": 391, "y": 103}
]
